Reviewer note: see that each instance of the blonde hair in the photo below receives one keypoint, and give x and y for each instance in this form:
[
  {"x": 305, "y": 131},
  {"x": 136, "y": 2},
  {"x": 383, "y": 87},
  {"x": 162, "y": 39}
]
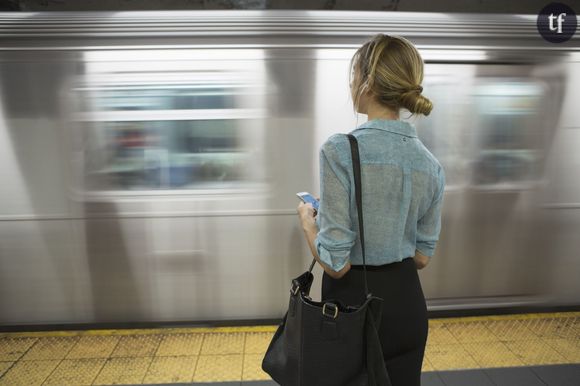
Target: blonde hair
[{"x": 392, "y": 69}]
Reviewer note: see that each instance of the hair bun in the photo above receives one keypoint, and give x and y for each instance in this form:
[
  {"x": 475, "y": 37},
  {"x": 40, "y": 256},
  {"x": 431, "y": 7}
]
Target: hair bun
[{"x": 413, "y": 101}]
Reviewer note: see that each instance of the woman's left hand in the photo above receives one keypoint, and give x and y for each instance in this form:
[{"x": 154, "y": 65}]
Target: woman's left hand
[{"x": 306, "y": 213}]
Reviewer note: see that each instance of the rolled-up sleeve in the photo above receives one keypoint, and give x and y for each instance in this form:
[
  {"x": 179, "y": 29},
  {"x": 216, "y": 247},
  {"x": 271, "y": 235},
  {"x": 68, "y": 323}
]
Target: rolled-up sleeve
[
  {"x": 335, "y": 237},
  {"x": 429, "y": 226}
]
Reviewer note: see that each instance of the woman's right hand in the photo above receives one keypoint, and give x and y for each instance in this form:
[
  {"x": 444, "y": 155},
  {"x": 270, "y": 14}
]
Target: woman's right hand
[{"x": 421, "y": 260}]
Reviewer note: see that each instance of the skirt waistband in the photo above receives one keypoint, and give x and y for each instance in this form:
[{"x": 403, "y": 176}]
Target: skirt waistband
[{"x": 383, "y": 267}]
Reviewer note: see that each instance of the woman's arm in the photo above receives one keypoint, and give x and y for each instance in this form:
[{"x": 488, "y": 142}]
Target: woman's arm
[
  {"x": 307, "y": 220},
  {"x": 429, "y": 226}
]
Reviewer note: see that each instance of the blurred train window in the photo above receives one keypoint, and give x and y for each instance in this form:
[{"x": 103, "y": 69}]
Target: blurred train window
[
  {"x": 444, "y": 132},
  {"x": 159, "y": 132},
  {"x": 189, "y": 120},
  {"x": 180, "y": 154},
  {"x": 163, "y": 97},
  {"x": 485, "y": 130},
  {"x": 509, "y": 136}
]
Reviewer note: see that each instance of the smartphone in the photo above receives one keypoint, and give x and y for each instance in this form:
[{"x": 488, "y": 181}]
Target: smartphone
[{"x": 309, "y": 198}]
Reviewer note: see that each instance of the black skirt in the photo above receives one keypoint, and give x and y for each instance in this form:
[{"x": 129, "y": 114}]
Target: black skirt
[{"x": 403, "y": 329}]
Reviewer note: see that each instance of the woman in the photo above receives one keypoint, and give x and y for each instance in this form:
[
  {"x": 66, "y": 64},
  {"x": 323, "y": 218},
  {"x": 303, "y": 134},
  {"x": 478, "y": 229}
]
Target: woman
[{"x": 402, "y": 190}]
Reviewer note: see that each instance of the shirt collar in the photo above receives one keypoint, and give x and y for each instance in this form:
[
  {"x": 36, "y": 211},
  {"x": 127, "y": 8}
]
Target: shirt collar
[{"x": 393, "y": 125}]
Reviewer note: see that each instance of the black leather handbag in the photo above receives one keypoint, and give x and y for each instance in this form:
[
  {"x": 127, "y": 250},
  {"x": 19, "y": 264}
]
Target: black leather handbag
[{"x": 328, "y": 343}]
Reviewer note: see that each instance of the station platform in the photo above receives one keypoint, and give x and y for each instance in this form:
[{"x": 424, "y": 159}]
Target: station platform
[{"x": 510, "y": 350}]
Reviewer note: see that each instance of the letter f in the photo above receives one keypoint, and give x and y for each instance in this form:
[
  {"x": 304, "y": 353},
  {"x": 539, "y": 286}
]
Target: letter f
[{"x": 560, "y": 20}]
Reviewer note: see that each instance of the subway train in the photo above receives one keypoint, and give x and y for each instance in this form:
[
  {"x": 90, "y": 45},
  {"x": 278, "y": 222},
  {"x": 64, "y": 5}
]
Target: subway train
[{"x": 149, "y": 161}]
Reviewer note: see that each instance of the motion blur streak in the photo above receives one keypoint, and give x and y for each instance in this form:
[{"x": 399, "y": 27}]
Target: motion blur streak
[{"x": 150, "y": 160}]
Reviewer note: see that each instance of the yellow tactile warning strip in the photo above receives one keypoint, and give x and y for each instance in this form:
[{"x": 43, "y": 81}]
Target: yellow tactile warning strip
[{"x": 180, "y": 355}]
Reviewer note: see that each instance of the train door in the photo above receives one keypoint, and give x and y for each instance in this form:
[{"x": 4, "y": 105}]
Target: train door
[
  {"x": 171, "y": 180},
  {"x": 491, "y": 130}
]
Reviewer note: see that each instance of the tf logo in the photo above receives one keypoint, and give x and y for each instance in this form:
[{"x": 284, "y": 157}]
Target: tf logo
[{"x": 557, "y": 23}]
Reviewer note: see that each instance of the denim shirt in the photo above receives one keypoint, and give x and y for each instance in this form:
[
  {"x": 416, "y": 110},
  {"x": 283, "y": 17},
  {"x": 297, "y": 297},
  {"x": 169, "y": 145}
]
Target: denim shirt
[{"x": 402, "y": 195}]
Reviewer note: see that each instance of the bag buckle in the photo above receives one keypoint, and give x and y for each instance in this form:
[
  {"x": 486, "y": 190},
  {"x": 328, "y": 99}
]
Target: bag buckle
[
  {"x": 294, "y": 289},
  {"x": 335, "y": 310}
]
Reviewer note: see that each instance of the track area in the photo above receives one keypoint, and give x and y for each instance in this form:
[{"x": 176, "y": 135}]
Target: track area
[{"x": 523, "y": 349}]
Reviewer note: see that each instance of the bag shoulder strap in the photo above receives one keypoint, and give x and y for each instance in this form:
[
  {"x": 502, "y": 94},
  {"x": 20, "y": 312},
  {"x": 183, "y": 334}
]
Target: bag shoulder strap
[{"x": 358, "y": 195}]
